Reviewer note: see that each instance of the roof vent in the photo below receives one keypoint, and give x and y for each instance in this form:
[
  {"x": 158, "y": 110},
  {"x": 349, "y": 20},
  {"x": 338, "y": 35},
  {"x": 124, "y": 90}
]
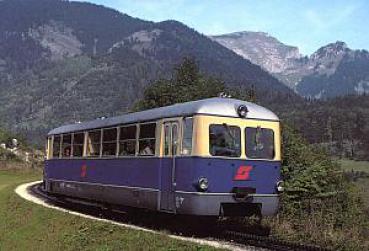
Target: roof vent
[{"x": 224, "y": 95}]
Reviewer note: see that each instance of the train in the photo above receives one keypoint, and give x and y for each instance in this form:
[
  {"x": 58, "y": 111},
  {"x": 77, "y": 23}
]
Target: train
[{"x": 211, "y": 157}]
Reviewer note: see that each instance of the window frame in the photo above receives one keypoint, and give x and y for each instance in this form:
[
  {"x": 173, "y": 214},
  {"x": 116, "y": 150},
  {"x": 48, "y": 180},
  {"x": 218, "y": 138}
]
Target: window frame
[
  {"x": 83, "y": 144},
  {"x": 87, "y": 142},
  {"x": 60, "y": 143},
  {"x": 155, "y": 138},
  {"x": 87, "y": 154},
  {"x": 240, "y": 140},
  {"x": 135, "y": 139},
  {"x": 274, "y": 143},
  {"x": 166, "y": 139},
  {"x": 116, "y": 142},
  {"x": 182, "y": 131},
  {"x": 62, "y": 146}
]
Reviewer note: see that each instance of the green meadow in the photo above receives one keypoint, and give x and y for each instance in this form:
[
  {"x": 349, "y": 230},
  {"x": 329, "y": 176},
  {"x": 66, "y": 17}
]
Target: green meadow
[{"x": 26, "y": 226}]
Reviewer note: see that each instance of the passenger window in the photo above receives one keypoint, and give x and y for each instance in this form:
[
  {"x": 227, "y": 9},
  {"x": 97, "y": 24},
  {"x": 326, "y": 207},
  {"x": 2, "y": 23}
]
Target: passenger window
[
  {"x": 93, "y": 143},
  {"x": 78, "y": 140},
  {"x": 146, "y": 139},
  {"x": 225, "y": 140},
  {"x": 109, "y": 142},
  {"x": 67, "y": 145},
  {"x": 187, "y": 136},
  {"x": 127, "y": 141},
  {"x": 259, "y": 143},
  {"x": 56, "y": 146}
]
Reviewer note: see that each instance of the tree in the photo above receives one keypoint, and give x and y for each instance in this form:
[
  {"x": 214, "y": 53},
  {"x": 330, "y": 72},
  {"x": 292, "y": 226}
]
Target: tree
[
  {"x": 186, "y": 84},
  {"x": 307, "y": 170}
]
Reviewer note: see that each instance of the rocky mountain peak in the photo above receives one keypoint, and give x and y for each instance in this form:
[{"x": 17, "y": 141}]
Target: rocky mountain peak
[
  {"x": 331, "y": 50},
  {"x": 328, "y": 72},
  {"x": 247, "y": 34},
  {"x": 261, "y": 49}
]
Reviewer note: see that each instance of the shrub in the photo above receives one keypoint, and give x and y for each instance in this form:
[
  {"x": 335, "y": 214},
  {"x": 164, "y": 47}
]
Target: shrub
[{"x": 319, "y": 206}]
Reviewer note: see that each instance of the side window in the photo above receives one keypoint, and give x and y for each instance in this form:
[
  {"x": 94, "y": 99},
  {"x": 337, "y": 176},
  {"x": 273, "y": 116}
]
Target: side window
[
  {"x": 225, "y": 140},
  {"x": 127, "y": 141},
  {"x": 78, "y": 140},
  {"x": 109, "y": 144},
  {"x": 93, "y": 143},
  {"x": 66, "y": 145},
  {"x": 259, "y": 143},
  {"x": 187, "y": 136},
  {"x": 146, "y": 139},
  {"x": 56, "y": 146}
]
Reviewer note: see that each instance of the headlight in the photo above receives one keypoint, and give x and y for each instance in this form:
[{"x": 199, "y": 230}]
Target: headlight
[
  {"x": 280, "y": 187},
  {"x": 242, "y": 111},
  {"x": 203, "y": 184}
]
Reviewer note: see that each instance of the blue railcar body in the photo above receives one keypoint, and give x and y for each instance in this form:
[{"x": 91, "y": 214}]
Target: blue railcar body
[
  {"x": 150, "y": 181},
  {"x": 169, "y": 179}
]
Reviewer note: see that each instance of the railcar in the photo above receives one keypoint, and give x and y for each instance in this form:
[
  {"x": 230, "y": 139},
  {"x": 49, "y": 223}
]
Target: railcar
[{"x": 212, "y": 157}]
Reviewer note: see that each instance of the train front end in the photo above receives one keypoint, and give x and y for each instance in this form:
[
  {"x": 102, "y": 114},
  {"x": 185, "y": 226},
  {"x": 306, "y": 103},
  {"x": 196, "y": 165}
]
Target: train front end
[{"x": 235, "y": 168}]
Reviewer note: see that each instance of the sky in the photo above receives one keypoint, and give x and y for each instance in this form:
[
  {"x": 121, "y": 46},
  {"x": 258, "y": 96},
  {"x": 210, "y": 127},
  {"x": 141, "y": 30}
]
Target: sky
[{"x": 308, "y": 24}]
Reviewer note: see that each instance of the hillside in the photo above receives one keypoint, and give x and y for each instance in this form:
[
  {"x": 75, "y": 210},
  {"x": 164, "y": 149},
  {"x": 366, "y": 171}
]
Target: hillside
[
  {"x": 341, "y": 124},
  {"x": 333, "y": 70},
  {"x": 63, "y": 62}
]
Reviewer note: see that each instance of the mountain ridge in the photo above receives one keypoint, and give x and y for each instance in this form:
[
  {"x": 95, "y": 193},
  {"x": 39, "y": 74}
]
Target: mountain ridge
[
  {"x": 310, "y": 76},
  {"x": 60, "y": 64}
]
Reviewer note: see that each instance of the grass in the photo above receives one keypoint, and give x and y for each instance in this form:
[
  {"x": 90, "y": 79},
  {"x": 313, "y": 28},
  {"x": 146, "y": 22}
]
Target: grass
[
  {"x": 362, "y": 183},
  {"x": 26, "y": 226},
  {"x": 359, "y": 166}
]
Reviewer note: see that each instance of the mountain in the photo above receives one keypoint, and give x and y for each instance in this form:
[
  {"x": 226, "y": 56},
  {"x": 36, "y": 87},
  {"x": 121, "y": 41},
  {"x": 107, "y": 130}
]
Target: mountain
[
  {"x": 62, "y": 62},
  {"x": 261, "y": 49},
  {"x": 333, "y": 70},
  {"x": 337, "y": 71}
]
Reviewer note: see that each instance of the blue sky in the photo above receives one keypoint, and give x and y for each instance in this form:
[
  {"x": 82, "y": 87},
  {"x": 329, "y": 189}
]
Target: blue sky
[{"x": 308, "y": 24}]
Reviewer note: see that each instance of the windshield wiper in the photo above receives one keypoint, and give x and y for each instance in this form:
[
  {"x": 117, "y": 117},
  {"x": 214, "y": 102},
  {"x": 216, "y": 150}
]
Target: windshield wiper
[{"x": 229, "y": 131}]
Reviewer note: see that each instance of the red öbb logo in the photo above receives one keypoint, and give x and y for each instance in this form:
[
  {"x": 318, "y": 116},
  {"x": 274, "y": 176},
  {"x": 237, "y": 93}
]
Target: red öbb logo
[
  {"x": 243, "y": 173},
  {"x": 83, "y": 171}
]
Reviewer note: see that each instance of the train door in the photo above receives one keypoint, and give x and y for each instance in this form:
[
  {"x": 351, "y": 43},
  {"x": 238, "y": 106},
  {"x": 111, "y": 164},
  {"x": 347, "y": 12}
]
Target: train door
[{"x": 171, "y": 150}]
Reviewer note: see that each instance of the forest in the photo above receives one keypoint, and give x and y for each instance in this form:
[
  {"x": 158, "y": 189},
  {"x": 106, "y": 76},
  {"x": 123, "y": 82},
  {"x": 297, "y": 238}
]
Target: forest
[
  {"x": 339, "y": 125},
  {"x": 321, "y": 204}
]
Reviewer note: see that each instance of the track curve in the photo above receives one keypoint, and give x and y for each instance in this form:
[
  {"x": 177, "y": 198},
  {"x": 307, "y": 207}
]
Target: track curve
[
  {"x": 203, "y": 231},
  {"x": 30, "y": 192}
]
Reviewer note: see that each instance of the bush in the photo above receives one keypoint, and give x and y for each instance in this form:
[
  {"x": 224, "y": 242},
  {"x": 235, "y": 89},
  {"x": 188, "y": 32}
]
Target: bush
[
  {"x": 319, "y": 206},
  {"x": 7, "y": 155}
]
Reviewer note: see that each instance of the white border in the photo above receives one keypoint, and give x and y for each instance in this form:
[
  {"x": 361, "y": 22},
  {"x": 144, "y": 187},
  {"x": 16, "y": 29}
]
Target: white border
[{"x": 22, "y": 191}]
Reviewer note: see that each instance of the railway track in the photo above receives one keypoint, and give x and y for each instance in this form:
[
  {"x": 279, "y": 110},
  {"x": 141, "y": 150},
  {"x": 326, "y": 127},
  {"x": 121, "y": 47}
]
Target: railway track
[{"x": 182, "y": 226}]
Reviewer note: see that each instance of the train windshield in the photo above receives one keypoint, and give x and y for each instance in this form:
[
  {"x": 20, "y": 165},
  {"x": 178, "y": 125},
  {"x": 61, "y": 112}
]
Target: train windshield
[
  {"x": 259, "y": 143},
  {"x": 225, "y": 140}
]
